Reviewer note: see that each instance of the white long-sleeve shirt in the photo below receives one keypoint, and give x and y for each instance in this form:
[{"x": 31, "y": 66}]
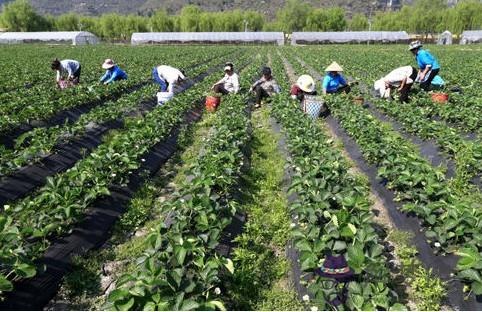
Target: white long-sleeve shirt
[
  {"x": 170, "y": 75},
  {"x": 67, "y": 69},
  {"x": 231, "y": 83},
  {"x": 396, "y": 76}
]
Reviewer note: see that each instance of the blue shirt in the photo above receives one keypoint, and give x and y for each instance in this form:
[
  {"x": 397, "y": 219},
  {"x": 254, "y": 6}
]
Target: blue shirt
[
  {"x": 332, "y": 83},
  {"x": 424, "y": 58},
  {"x": 113, "y": 74}
]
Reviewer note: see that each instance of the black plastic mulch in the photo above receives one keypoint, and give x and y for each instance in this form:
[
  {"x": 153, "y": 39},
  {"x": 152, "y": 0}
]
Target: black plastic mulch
[
  {"x": 68, "y": 116},
  {"x": 443, "y": 266},
  {"x": 94, "y": 230},
  {"x": 27, "y": 179}
]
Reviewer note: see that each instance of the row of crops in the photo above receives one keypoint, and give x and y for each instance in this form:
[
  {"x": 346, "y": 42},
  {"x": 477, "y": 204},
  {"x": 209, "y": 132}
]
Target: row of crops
[{"x": 175, "y": 259}]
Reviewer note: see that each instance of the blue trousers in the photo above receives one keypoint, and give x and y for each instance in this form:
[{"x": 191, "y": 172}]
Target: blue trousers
[{"x": 162, "y": 83}]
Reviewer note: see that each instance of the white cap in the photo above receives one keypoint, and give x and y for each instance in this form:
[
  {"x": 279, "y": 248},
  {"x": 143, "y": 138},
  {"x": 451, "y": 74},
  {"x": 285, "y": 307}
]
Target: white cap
[{"x": 227, "y": 67}]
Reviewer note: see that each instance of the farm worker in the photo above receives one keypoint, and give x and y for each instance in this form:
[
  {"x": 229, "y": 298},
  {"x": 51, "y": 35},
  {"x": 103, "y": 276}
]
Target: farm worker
[
  {"x": 67, "y": 69},
  {"x": 428, "y": 65},
  {"x": 265, "y": 87},
  {"x": 113, "y": 72},
  {"x": 167, "y": 77},
  {"x": 229, "y": 83},
  {"x": 305, "y": 85},
  {"x": 401, "y": 78},
  {"x": 333, "y": 82}
]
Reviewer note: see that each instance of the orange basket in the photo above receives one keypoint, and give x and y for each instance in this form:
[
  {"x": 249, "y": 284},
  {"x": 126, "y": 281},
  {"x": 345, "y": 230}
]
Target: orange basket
[
  {"x": 440, "y": 97},
  {"x": 212, "y": 103}
]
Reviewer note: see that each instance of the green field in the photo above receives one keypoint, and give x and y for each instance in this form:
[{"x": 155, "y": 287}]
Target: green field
[{"x": 238, "y": 215}]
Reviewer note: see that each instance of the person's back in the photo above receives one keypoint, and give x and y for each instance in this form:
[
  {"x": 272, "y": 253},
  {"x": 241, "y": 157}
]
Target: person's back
[
  {"x": 169, "y": 73},
  {"x": 424, "y": 58},
  {"x": 396, "y": 76},
  {"x": 231, "y": 82}
]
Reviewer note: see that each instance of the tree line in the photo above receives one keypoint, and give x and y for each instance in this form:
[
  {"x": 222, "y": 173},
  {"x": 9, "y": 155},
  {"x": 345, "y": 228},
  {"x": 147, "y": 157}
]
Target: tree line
[{"x": 423, "y": 17}]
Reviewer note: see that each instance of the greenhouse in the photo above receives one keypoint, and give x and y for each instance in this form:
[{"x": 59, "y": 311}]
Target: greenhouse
[
  {"x": 349, "y": 37},
  {"x": 73, "y": 37},
  {"x": 208, "y": 37},
  {"x": 471, "y": 36},
  {"x": 445, "y": 38}
]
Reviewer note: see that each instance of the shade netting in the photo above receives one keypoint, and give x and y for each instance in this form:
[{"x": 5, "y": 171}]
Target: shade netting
[
  {"x": 72, "y": 37},
  {"x": 471, "y": 36},
  {"x": 208, "y": 37},
  {"x": 349, "y": 37}
]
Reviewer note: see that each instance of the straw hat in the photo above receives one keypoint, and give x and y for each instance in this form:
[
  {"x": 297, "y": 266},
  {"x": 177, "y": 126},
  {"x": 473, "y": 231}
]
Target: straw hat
[
  {"x": 306, "y": 83},
  {"x": 108, "y": 64},
  {"x": 334, "y": 67}
]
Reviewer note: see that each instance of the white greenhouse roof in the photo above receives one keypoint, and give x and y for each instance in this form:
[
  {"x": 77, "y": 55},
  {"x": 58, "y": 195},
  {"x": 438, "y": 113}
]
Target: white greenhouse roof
[
  {"x": 471, "y": 36},
  {"x": 348, "y": 37},
  {"x": 207, "y": 37},
  {"x": 51, "y": 36}
]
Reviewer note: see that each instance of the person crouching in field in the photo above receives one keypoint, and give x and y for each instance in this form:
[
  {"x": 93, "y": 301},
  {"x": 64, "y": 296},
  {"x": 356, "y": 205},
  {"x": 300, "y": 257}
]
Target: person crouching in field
[
  {"x": 401, "y": 78},
  {"x": 305, "y": 85},
  {"x": 333, "y": 82},
  {"x": 113, "y": 72},
  {"x": 428, "y": 65},
  {"x": 265, "y": 87},
  {"x": 67, "y": 70},
  {"x": 167, "y": 77},
  {"x": 229, "y": 83}
]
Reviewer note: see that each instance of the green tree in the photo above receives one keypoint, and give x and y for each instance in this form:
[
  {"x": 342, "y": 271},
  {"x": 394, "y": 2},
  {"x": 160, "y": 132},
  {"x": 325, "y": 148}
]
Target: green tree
[
  {"x": 358, "y": 22},
  {"x": 467, "y": 15},
  {"x": 292, "y": 17},
  {"x": 160, "y": 21},
  {"x": 67, "y": 22},
  {"x": 335, "y": 20},
  {"x": 21, "y": 16},
  {"x": 189, "y": 18},
  {"x": 254, "y": 19},
  {"x": 332, "y": 19},
  {"x": 427, "y": 16}
]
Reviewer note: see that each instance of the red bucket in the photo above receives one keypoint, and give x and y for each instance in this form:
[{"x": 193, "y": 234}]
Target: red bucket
[
  {"x": 212, "y": 103},
  {"x": 440, "y": 97}
]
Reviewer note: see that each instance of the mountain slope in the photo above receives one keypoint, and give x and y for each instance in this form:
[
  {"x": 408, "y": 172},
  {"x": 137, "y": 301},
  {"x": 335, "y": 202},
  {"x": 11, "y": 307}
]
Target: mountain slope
[{"x": 268, "y": 7}]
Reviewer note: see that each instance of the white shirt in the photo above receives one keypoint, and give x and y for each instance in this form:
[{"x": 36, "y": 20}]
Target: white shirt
[
  {"x": 395, "y": 77},
  {"x": 231, "y": 83},
  {"x": 67, "y": 69},
  {"x": 170, "y": 75}
]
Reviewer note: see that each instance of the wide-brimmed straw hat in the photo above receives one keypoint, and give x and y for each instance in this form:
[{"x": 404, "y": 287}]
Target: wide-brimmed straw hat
[
  {"x": 414, "y": 45},
  {"x": 334, "y": 67},
  {"x": 108, "y": 64},
  {"x": 306, "y": 83}
]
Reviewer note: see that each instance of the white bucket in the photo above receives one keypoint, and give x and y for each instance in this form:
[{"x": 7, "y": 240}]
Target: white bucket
[{"x": 163, "y": 97}]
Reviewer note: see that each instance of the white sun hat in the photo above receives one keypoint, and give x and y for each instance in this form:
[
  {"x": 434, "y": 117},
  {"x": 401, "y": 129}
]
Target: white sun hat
[
  {"x": 306, "y": 83},
  {"x": 108, "y": 64},
  {"x": 334, "y": 67},
  {"x": 380, "y": 87},
  {"x": 414, "y": 45}
]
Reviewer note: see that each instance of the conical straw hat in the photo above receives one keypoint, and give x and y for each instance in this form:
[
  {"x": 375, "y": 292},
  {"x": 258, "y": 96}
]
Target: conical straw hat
[{"x": 334, "y": 67}]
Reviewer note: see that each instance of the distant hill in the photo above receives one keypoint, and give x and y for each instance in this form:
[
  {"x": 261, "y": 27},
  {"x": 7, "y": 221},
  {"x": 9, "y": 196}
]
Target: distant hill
[{"x": 268, "y": 7}]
